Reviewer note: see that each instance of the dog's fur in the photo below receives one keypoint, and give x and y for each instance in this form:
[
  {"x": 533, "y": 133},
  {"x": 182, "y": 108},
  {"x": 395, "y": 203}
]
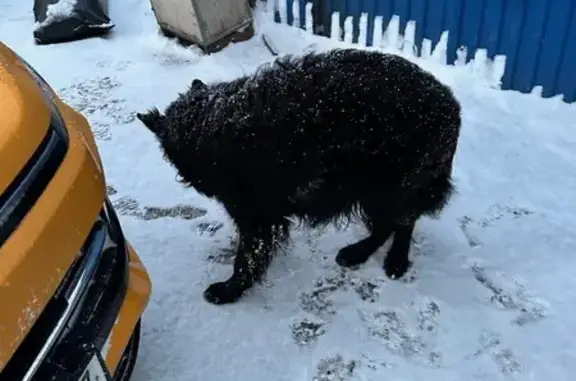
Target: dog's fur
[{"x": 339, "y": 136}]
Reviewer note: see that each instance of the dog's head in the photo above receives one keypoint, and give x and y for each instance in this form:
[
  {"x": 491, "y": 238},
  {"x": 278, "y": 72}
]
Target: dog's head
[
  {"x": 178, "y": 129},
  {"x": 198, "y": 85},
  {"x": 155, "y": 121}
]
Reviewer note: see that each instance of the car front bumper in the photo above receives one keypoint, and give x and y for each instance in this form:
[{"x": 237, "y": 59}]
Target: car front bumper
[{"x": 96, "y": 307}]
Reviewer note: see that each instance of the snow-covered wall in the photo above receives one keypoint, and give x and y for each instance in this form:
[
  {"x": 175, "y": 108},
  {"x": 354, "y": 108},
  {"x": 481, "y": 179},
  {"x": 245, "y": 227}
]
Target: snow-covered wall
[{"x": 535, "y": 38}]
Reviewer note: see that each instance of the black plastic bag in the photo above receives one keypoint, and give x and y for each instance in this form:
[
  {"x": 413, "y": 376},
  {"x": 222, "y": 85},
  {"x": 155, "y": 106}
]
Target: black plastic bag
[{"x": 69, "y": 20}]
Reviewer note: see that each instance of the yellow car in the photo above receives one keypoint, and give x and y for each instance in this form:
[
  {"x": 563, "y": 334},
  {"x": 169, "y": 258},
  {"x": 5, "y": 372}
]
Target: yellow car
[{"x": 72, "y": 289}]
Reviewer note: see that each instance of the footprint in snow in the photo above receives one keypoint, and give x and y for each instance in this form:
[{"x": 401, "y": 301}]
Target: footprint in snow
[
  {"x": 335, "y": 368},
  {"x": 490, "y": 344},
  {"x": 131, "y": 207},
  {"x": 493, "y": 215},
  {"x": 186, "y": 212},
  {"x": 319, "y": 301},
  {"x": 411, "y": 332},
  {"x": 367, "y": 290},
  {"x": 373, "y": 364},
  {"x": 338, "y": 368},
  {"x": 507, "y": 293},
  {"x": 209, "y": 228},
  {"x": 126, "y": 206},
  {"x": 93, "y": 98},
  {"x": 305, "y": 331},
  {"x": 507, "y": 361},
  {"x": 498, "y": 212}
]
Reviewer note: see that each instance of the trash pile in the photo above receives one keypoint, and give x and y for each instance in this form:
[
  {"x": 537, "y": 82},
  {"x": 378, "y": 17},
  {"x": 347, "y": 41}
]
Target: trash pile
[{"x": 68, "y": 20}]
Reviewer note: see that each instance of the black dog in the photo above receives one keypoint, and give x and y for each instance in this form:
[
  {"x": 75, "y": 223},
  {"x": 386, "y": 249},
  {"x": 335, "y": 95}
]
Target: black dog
[{"x": 340, "y": 136}]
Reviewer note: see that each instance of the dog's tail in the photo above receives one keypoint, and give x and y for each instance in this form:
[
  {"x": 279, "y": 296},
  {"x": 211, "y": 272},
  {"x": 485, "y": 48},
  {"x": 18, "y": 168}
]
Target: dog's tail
[{"x": 152, "y": 119}]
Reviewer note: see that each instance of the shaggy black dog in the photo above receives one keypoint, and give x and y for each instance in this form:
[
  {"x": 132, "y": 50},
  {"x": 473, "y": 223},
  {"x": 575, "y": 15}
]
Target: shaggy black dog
[{"x": 339, "y": 136}]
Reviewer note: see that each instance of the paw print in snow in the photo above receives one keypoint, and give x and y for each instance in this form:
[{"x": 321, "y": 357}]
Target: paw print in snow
[
  {"x": 494, "y": 214},
  {"x": 373, "y": 364},
  {"x": 185, "y": 212},
  {"x": 464, "y": 223},
  {"x": 490, "y": 344},
  {"x": 511, "y": 295},
  {"x": 93, "y": 98},
  {"x": 497, "y": 212},
  {"x": 427, "y": 316},
  {"x": 131, "y": 207},
  {"x": 126, "y": 206},
  {"x": 307, "y": 331},
  {"x": 210, "y": 228},
  {"x": 507, "y": 361},
  {"x": 410, "y": 333},
  {"x": 335, "y": 369},
  {"x": 319, "y": 301},
  {"x": 488, "y": 340},
  {"x": 367, "y": 290}
]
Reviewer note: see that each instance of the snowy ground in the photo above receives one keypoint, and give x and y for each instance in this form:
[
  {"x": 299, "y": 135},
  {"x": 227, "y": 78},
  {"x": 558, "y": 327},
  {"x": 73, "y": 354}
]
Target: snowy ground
[{"x": 490, "y": 297}]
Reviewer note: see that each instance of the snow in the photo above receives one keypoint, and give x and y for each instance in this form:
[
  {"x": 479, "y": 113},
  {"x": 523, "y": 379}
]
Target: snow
[
  {"x": 491, "y": 295},
  {"x": 58, "y": 11}
]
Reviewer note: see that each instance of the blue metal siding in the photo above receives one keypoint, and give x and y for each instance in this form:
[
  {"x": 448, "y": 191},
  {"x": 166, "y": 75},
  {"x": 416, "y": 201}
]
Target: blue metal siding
[
  {"x": 566, "y": 80},
  {"x": 538, "y": 37}
]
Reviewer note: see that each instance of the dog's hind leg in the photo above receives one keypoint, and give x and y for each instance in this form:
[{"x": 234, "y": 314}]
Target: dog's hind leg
[
  {"x": 380, "y": 230},
  {"x": 257, "y": 244},
  {"x": 429, "y": 199},
  {"x": 397, "y": 262}
]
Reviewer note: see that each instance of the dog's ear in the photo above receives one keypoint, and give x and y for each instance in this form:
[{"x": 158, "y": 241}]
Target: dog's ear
[
  {"x": 152, "y": 119},
  {"x": 198, "y": 85}
]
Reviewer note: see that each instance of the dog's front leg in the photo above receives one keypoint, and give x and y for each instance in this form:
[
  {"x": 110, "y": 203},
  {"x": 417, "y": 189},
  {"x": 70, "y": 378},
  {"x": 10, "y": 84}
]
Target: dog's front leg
[{"x": 257, "y": 245}]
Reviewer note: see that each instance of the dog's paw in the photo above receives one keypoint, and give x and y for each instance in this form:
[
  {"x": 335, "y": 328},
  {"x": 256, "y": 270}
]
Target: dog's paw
[
  {"x": 223, "y": 293},
  {"x": 395, "y": 269},
  {"x": 351, "y": 256}
]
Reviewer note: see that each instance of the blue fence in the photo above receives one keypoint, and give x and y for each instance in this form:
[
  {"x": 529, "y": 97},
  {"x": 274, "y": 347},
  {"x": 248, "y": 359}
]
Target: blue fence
[{"x": 538, "y": 37}]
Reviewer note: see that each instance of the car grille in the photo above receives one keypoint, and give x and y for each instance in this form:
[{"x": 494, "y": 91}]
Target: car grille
[
  {"x": 81, "y": 313},
  {"x": 26, "y": 188}
]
